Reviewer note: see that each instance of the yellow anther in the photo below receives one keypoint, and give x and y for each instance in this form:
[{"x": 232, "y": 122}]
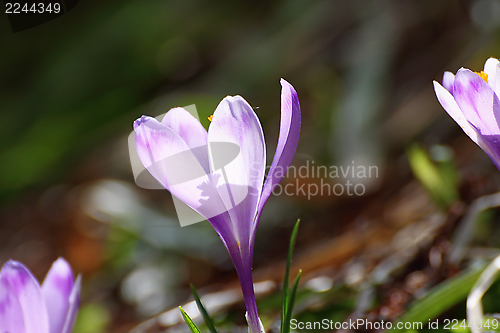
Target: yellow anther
[
  {"x": 212, "y": 116},
  {"x": 483, "y": 76}
]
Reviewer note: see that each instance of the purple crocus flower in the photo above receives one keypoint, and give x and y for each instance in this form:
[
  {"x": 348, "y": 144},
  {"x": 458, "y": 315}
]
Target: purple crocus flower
[
  {"x": 224, "y": 185},
  {"x": 471, "y": 99},
  {"x": 27, "y": 307}
]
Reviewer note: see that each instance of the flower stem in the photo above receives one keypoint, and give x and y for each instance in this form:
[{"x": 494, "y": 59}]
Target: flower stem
[{"x": 244, "y": 270}]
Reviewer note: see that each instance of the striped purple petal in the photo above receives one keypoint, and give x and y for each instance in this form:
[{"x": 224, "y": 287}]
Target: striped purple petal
[
  {"x": 176, "y": 166},
  {"x": 448, "y": 78},
  {"x": 450, "y": 105},
  {"x": 191, "y": 131},
  {"x": 11, "y": 312},
  {"x": 478, "y": 102},
  {"x": 492, "y": 68},
  {"x": 287, "y": 141},
  {"x": 73, "y": 304},
  {"x": 239, "y": 186},
  {"x": 21, "y": 295},
  {"x": 240, "y": 181},
  {"x": 56, "y": 290}
]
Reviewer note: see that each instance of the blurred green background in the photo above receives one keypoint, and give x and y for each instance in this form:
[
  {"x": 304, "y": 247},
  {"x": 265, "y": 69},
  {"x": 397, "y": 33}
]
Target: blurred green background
[{"x": 363, "y": 69}]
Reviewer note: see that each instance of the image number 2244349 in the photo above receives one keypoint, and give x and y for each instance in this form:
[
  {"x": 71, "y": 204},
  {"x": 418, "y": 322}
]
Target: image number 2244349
[
  {"x": 40, "y": 8},
  {"x": 28, "y": 14}
]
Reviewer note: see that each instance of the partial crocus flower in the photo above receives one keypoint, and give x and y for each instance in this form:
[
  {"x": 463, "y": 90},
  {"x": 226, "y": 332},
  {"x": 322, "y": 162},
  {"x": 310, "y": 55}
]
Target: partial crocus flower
[
  {"x": 220, "y": 173},
  {"x": 471, "y": 99},
  {"x": 27, "y": 307}
]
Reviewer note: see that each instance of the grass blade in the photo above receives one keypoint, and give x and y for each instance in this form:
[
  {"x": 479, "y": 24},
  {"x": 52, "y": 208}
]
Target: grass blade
[
  {"x": 440, "y": 298},
  {"x": 439, "y": 182},
  {"x": 291, "y": 302},
  {"x": 285, "y": 300},
  {"x": 192, "y": 326},
  {"x": 208, "y": 321}
]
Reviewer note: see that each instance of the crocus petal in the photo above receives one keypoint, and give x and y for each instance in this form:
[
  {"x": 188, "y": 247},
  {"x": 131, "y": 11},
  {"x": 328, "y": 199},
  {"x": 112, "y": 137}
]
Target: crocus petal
[
  {"x": 492, "y": 68},
  {"x": 21, "y": 285},
  {"x": 478, "y": 102},
  {"x": 74, "y": 303},
  {"x": 239, "y": 186},
  {"x": 11, "y": 313},
  {"x": 287, "y": 141},
  {"x": 448, "y": 78},
  {"x": 155, "y": 144},
  {"x": 451, "y": 106},
  {"x": 491, "y": 146},
  {"x": 240, "y": 181},
  {"x": 175, "y": 166},
  {"x": 191, "y": 132},
  {"x": 56, "y": 289}
]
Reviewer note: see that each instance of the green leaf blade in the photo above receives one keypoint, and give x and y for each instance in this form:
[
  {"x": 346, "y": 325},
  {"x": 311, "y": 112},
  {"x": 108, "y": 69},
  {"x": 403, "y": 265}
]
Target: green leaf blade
[
  {"x": 206, "y": 317},
  {"x": 291, "y": 303},
  {"x": 440, "y": 298},
  {"x": 286, "y": 293},
  {"x": 192, "y": 326}
]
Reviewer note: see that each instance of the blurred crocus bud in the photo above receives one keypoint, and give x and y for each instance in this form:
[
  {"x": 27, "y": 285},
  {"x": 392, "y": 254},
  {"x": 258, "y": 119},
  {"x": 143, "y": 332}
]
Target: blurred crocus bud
[{"x": 27, "y": 307}]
